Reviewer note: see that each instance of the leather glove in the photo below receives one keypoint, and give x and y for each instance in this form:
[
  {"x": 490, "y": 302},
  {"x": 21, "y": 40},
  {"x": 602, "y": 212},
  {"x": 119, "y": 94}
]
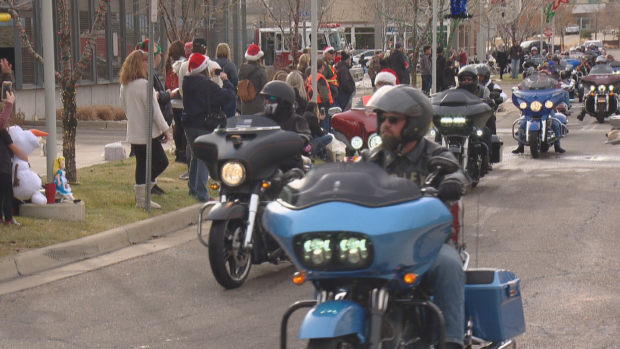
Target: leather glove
[{"x": 450, "y": 190}]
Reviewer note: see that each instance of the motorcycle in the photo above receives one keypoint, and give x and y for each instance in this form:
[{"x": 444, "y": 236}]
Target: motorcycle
[
  {"x": 601, "y": 99},
  {"x": 243, "y": 161},
  {"x": 355, "y": 128},
  {"x": 536, "y": 99},
  {"x": 532, "y": 62},
  {"x": 460, "y": 117},
  {"x": 367, "y": 272}
]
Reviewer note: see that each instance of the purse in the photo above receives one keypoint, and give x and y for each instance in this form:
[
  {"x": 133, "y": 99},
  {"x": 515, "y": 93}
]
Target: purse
[{"x": 215, "y": 119}]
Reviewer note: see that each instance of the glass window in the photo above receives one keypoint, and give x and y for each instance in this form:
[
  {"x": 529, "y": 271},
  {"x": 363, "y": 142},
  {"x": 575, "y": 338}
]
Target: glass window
[
  {"x": 84, "y": 24},
  {"x": 102, "y": 52},
  {"x": 322, "y": 42},
  {"x": 29, "y": 66},
  {"x": 116, "y": 38},
  {"x": 334, "y": 40}
]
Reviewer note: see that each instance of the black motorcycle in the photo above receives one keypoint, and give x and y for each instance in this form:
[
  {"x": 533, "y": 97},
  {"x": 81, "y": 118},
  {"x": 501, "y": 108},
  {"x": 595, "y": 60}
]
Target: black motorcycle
[
  {"x": 244, "y": 161},
  {"x": 460, "y": 117}
]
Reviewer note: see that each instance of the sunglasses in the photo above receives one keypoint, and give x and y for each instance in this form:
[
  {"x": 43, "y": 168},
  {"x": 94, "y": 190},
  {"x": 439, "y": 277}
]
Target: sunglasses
[
  {"x": 467, "y": 79},
  {"x": 392, "y": 119},
  {"x": 271, "y": 99}
]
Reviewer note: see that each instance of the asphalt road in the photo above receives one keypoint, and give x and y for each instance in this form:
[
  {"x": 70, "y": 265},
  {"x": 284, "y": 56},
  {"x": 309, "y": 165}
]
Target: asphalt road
[{"x": 553, "y": 221}]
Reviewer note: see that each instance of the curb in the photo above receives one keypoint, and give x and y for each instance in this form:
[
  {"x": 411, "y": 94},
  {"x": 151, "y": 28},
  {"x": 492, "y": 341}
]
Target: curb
[
  {"x": 91, "y": 125},
  {"x": 36, "y": 261}
]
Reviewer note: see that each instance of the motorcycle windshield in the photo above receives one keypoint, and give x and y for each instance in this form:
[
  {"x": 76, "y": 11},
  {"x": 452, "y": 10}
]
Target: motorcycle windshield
[
  {"x": 539, "y": 82},
  {"x": 361, "y": 183},
  {"x": 250, "y": 122},
  {"x": 601, "y": 69},
  {"x": 457, "y": 111}
]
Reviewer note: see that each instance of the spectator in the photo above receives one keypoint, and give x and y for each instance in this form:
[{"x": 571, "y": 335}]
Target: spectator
[
  {"x": 223, "y": 58},
  {"x": 399, "y": 64},
  {"x": 325, "y": 99},
  {"x": 253, "y": 71},
  {"x": 363, "y": 62},
  {"x": 7, "y": 150},
  {"x": 280, "y": 75},
  {"x": 375, "y": 66},
  {"x": 163, "y": 96},
  {"x": 321, "y": 137},
  {"x": 502, "y": 60},
  {"x": 133, "y": 100},
  {"x": 304, "y": 62},
  {"x": 202, "y": 102},
  {"x": 176, "y": 56},
  {"x": 345, "y": 81},
  {"x": 454, "y": 57},
  {"x": 425, "y": 70},
  {"x": 463, "y": 58},
  {"x": 440, "y": 67},
  {"x": 516, "y": 53},
  {"x": 449, "y": 75},
  {"x": 329, "y": 54},
  {"x": 296, "y": 81},
  {"x": 386, "y": 77}
]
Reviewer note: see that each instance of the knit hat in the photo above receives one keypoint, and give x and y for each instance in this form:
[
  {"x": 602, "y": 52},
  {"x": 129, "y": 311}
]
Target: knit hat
[
  {"x": 197, "y": 63},
  {"x": 387, "y": 76},
  {"x": 399, "y": 45},
  {"x": 189, "y": 48},
  {"x": 344, "y": 56},
  {"x": 254, "y": 53},
  {"x": 329, "y": 48},
  {"x": 144, "y": 46}
]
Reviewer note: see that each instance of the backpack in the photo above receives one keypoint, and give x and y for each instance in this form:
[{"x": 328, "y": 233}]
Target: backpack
[{"x": 246, "y": 91}]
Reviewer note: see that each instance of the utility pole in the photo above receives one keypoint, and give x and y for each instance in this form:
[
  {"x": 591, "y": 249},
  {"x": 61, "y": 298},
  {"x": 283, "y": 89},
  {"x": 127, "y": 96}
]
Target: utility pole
[
  {"x": 149, "y": 102},
  {"x": 434, "y": 50},
  {"x": 314, "y": 42},
  {"x": 50, "y": 86}
]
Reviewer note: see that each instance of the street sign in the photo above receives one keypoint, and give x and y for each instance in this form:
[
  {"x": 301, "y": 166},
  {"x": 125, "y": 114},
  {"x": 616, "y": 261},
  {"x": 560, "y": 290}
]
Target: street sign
[
  {"x": 305, "y": 14},
  {"x": 548, "y": 32}
]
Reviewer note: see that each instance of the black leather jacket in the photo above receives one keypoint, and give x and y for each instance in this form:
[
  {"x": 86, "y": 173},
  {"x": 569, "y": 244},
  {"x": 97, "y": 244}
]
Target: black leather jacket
[{"x": 414, "y": 164}]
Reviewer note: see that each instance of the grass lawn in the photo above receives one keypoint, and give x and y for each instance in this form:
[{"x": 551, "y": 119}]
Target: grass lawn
[{"x": 107, "y": 191}]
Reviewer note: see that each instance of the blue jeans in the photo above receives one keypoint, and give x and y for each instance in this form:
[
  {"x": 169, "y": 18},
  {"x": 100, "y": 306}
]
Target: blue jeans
[
  {"x": 198, "y": 171},
  {"x": 515, "y": 68},
  {"x": 322, "y": 142},
  {"x": 342, "y": 101},
  {"x": 567, "y": 98},
  {"x": 555, "y": 126},
  {"x": 326, "y": 123},
  {"x": 447, "y": 280},
  {"x": 427, "y": 83}
]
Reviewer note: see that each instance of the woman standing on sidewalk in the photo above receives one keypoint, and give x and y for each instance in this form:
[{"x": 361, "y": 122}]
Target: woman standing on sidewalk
[
  {"x": 223, "y": 58},
  {"x": 134, "y": 100},
  {"x": 176, "y": 55}
]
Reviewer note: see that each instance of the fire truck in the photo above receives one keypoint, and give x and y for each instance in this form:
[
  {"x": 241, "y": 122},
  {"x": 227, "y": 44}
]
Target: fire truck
[{"x": 277, "y": 50}]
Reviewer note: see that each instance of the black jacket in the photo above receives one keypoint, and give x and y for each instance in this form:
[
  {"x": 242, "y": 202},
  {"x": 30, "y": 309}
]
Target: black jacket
[
  {"x": 449, "y": 78},
  {"x": 345, "y": 79},
  {"x": 195, "y": 99},
  {"x": 414, "y": 164},
  {"x": 502, "y": 58},
  {"x": 301, "y": 103},
  {"x": 164, "y": 99},
  {"x": 398, "y": 63},
  {"x": 441, "y": 66},
  {"x": 313, "y": 124}
]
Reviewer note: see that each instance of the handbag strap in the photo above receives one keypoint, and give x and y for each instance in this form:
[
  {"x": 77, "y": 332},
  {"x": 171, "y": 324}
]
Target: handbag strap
[{"x": 209, "y": 97}]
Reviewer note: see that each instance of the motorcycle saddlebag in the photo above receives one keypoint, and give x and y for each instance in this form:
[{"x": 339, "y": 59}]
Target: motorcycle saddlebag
[
  {"x": 496, "y": 149},
  {"x": 493, "y": 302}
]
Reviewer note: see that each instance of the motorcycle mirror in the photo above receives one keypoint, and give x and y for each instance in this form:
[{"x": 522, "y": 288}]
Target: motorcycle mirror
[
  {"x": 515, "y": 88},
  {"x": 334, "y": 110},
  {"x": 443, "y": 165}
]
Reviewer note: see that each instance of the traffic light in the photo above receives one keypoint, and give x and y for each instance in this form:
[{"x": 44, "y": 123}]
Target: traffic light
[{"x": 5, "y": 17}]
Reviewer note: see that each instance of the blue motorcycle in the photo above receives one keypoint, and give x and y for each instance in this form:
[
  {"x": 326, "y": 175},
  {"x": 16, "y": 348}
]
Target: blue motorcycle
[
  {"x": 365, "y": 240},
  {"x": 537, "y": 127}
]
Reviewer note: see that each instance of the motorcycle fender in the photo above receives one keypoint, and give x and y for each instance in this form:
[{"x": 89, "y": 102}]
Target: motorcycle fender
[
  {"x": 227, "y": 210},
  {"x": 534, "y": 125},
  {"x": 333, "y": 319}
]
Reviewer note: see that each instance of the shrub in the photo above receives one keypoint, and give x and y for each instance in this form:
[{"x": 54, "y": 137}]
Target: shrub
[
  {"x": 17, "y": 118},
  {"x": 586, "y": 34},
  {"x": 97, "y": 113}
]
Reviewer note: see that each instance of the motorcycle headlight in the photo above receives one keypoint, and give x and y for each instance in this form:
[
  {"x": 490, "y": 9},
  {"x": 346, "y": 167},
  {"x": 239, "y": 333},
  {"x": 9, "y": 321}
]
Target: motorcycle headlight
[
  {"x": 536, "y": 106},
  {"x": 233, "y": 173},
  {"x": 374, "y": 141},
  {"x": 523, "y": 105},
  {"x": 334, "y": 251},
  {"x": 459, "y": 120},
  {"x": 592, "y": 88},
  {"x": 601, "y": 88},
  {"x": 611, "y": 87},
  {"x": 357, "y": 142},
  {"x": 446, "y": 120},
  {"x": 548, "y": 104}
]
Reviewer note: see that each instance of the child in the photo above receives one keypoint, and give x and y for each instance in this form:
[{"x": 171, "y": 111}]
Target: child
[{"x": 7, "y": 149}]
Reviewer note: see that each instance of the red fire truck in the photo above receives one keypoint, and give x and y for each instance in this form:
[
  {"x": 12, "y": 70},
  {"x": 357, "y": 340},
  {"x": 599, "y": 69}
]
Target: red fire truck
[{"x": 277, "y": 50}]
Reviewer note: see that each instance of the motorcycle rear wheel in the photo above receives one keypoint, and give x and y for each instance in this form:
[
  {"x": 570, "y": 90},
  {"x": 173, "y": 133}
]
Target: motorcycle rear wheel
[
  {"x": 346, "y": 342},
  {"x": 230, "y": 264},
  {"x": 534, "y": 144}
]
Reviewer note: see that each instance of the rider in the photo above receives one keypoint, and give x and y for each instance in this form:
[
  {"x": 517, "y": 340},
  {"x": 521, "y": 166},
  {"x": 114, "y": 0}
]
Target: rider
[
  {"x": 555, "y": 126},
  {"x": 600, "y": 60},
  {"x": 468, "y": 80},
  {"x": 496, "y": 93},
  {"x": 403, "y": 118},
  {"x": 280, "y": 107}
]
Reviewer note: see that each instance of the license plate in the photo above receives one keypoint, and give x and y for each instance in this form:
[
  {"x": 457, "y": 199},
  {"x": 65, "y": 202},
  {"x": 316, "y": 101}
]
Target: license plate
[{"x": 601, "y": 100}]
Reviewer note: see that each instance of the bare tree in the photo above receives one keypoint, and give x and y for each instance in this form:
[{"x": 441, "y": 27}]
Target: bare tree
[
  {"x": 527, "y": 22},
  {"x": 563, "y": 17},
  {"x": 183, "y": 18},
  {"x": 72, "y": 68}
]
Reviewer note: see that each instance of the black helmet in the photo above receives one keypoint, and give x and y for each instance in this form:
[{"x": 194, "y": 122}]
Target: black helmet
[
  {"x": 469, "y": 71},
  {"x": 407, "y": 101},
  {"x": 281, "y": 90},
  {"x": 484, "y": 70}
]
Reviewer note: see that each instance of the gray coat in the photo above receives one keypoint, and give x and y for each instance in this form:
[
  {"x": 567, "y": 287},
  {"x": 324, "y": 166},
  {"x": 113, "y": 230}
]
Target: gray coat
[{"x": 258, "y": 76}]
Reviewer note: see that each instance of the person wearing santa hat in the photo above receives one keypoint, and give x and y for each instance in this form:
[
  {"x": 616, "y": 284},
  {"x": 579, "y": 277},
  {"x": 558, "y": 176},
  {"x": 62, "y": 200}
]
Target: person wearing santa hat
[
  {"x": 386, "y": 77},
  {"x": 252, "y": 72},
  {"x": 203, "y": 101},
  {"x": 199, "y": 45},
  {"x": 329, "y": 55}
]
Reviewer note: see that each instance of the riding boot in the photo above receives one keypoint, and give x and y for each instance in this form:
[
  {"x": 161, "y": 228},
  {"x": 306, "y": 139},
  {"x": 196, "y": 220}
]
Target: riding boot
[
  {"x": 559, "y": 149},
  {"x": 519, "y": 150}
]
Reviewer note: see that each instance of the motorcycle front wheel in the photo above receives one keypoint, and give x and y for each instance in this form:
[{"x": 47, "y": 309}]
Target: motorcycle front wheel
[
  {"x": 600, "y": 117},
  {"x": 347, "y": 342},
  {"x": 534, "y": 144},
  {"x": 230, "y": 263}
]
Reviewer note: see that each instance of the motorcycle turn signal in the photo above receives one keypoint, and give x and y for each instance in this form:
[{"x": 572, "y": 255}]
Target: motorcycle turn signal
[
  {"x": 410, "y": 278},
  {"x": 299, "y": 277}
]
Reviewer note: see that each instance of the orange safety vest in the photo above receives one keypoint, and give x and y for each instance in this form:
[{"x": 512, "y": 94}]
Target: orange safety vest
[
  {"x": 334, "y": 79},
  {"x": 318, "y": 96}
]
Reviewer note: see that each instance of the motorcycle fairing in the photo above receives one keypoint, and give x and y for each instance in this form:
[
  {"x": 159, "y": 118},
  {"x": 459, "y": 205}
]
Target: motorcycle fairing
[
  {"x": 422, "y": 226},
  {"x": 333, "y": 319},
  {"x": 555, "y": 95},
  {"x": 227, "y": 210}
]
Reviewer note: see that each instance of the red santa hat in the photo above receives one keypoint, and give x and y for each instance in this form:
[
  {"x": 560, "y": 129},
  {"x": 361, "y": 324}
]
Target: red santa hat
[
  {"x": 387, "y": 75},
  {"x": 328, "y": 49},
  {"x": 253, "y": 53},
  {"x": 197, "y": 63}
]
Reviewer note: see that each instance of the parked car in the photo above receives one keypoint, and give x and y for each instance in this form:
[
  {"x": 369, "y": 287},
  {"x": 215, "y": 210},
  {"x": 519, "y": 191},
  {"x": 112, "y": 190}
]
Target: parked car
[
  {"x": 367, "y": 55},
  {"x": 571, "y": 29},
  {"x": 598, "y": 43}
]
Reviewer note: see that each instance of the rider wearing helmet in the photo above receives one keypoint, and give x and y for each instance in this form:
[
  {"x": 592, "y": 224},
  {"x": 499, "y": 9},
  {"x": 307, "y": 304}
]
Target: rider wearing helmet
[
  {"x": 279, "y": 106},
  {"x": 403, "y": 118},
  {"x": 601, "y": 60},
  {"x": 468, "y": 80}
]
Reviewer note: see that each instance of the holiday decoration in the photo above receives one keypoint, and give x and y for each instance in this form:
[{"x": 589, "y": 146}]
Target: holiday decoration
[
  {"x": 458, "y": 9},
  {"x": 504, "y": 11}
]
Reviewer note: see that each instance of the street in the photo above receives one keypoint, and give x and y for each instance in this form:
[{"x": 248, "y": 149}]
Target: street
[{"x": 553, "y": 221}]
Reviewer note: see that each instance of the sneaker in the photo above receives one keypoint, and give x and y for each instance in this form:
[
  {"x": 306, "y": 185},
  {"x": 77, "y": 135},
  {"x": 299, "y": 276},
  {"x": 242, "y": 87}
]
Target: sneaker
[
  {"x": 12, "y": 222},
  {"x": 184, "y": 176}
]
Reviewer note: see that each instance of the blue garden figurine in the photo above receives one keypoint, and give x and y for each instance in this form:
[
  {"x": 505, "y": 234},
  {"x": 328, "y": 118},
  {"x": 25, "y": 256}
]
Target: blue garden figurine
[{"x": 62, "y": 187}]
